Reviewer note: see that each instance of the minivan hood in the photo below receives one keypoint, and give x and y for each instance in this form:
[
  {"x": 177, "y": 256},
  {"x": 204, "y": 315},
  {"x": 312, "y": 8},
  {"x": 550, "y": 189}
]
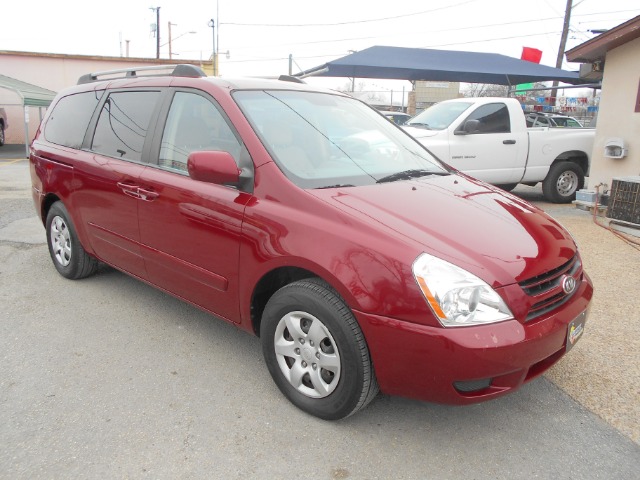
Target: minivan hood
[{"x": 491, "y": 233}]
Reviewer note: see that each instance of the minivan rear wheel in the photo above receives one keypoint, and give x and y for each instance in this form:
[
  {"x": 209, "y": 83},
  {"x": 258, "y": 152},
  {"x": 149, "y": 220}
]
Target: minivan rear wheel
[
  {"x": 68, "y": 256},
  {"x": 316, "y": 352}
]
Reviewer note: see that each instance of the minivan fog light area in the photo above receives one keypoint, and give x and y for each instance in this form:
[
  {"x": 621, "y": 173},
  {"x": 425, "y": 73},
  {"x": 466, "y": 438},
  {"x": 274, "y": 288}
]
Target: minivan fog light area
[{"x": 457, "y": 297}]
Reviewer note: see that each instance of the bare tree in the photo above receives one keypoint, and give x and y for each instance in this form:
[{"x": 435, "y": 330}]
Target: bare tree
[
  {"x": 351, "y": 86},
  {"x": 485, "y": 90}
]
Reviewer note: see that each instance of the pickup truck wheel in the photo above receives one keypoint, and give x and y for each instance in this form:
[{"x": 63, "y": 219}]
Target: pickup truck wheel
[
  {"x": 316, "y": 352},
  {"x": 1, "y": 135},
  {"x": 563, "y": 181},
  {"x": 67, "y": 254}
]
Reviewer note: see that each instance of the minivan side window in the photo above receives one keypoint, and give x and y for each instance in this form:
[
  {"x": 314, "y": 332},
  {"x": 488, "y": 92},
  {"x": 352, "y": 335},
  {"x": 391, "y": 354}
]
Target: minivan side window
[
  {"x": 194, "y": 124},
  {"x": 123, "y": 124},
  {"x": 67, "y": 123},
  {"x": 493, "y": 117}
]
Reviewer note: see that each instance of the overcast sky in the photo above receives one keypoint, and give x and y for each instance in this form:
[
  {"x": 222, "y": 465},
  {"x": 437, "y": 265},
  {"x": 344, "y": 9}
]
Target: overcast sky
[{"x": 259, "y": 35}]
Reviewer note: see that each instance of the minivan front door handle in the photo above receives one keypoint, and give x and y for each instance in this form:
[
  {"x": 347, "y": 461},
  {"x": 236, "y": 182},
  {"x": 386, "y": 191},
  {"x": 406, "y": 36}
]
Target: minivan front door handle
[{"x": 509, "y": 142}]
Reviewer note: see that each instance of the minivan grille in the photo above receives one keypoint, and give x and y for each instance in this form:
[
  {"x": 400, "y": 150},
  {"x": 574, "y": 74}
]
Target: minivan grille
[{"x": 546, "y": 290}]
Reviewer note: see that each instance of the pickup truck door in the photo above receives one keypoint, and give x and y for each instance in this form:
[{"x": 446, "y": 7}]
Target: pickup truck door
[{"x": 484, "y": 145}]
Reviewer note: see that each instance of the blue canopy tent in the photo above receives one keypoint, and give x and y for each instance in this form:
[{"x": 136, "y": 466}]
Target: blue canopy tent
[{"x": 399, "y": 63}]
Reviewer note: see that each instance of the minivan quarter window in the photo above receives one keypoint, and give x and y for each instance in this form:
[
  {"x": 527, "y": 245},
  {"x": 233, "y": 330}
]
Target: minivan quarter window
[{"x": 67, "y": 123}]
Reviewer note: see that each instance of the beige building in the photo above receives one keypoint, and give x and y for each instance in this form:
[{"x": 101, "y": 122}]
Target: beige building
[
  {"x": 56, "y": 72},
  {"x": 427, "y": 93},
  {"x": 615, "y": 56}
]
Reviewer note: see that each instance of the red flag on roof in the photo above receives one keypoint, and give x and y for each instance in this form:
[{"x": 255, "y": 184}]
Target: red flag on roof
[{"x": 530, "y": 55}]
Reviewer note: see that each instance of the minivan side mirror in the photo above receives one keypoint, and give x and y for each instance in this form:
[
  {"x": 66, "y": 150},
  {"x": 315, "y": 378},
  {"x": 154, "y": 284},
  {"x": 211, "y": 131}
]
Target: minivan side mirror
[{"x": 213, "y": 167}]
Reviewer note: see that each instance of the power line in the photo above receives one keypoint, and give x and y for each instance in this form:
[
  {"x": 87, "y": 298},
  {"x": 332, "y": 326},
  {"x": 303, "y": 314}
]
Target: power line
[
  {"x": 356, "y": 22},
  {"x": 345, "y": 23},
  {"x": 519, "y": 22},
  {"x": 492, "y": 39},
  {"x": 574, "y": 30}
]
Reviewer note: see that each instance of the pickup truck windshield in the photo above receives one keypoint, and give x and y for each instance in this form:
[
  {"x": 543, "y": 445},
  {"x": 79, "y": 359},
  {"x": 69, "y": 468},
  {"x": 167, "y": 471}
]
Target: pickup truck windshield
[
  {"x": 322, "y": 140},
  {"x": 438, "y": 116}
]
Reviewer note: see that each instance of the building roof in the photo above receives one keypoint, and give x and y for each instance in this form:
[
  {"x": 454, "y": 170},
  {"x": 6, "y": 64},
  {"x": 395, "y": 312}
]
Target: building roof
[
  {"x": 31, "y": 95},
  {"x": 595, "y": 49}
]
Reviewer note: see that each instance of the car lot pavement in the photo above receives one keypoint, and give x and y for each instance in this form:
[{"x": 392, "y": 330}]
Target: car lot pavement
[{"x": 110, "y": 378}]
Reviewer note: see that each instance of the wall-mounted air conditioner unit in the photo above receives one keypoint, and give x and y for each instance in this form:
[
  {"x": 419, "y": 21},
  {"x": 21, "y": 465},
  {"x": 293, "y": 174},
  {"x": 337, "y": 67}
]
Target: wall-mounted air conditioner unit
[
  {"x": 624, "y": 200},
  {"x": 591, "y": 71}
]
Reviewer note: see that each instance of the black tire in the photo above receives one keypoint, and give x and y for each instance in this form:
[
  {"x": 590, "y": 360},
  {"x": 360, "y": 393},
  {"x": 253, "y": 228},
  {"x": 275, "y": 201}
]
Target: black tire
[
  {"x": 67, "y": 254},
  {"x": 331, "y": 377},
  {"x": 1, "y": 135},
  {"x": 507, "y": 187},
  {"x": 562, "y": 182}
]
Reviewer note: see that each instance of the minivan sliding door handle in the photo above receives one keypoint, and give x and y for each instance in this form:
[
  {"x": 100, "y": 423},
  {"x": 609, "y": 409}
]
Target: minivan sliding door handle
[
  {"x": 128, "y": 189},
  {"x": 147, "y": 195}
]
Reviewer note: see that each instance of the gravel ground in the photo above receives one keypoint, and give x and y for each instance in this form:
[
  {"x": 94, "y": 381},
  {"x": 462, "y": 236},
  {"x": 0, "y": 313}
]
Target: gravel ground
[{"x": 603, "y": 371}]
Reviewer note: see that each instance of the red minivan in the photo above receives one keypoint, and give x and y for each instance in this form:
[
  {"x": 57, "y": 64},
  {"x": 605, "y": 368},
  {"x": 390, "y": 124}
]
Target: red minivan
[{"x": 305, "y": 217}]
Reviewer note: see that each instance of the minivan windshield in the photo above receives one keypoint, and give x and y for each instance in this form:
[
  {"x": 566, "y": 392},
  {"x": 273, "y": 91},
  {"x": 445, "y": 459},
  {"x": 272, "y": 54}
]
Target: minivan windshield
[
  {"x": 320, "y": 140},
  {"x": 438, "y": 116}
]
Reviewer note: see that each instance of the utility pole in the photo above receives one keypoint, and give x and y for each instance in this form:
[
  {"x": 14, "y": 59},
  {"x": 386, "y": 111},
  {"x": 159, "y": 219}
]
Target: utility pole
[
  {"x": 563, "y": 44},
  {"x": 212, "y": 24},
  {"x": 170, "y": 51},
  {"x": 158, "y": 32},
  {"x": 157, "y": 10},
  {"x": 565, "y": 33},
  {"x": 353, "y": 79}
]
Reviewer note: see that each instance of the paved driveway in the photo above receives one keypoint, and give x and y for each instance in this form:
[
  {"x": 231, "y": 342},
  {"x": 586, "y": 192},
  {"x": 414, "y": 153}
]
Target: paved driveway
[{"x": 110, "y": 378}]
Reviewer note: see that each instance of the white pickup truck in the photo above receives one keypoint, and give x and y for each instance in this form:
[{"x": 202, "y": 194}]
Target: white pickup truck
[{"x": 488, "y": 138}]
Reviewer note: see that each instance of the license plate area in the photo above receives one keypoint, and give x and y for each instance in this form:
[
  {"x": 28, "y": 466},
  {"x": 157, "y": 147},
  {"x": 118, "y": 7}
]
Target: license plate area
[{"x": 575, "y": 329}]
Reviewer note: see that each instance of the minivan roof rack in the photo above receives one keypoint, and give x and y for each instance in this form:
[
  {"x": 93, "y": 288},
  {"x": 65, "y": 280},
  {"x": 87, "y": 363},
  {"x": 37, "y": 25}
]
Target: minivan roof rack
[
  {"x": 290, "y": 78},
  {"x": 181, "y": 70}
]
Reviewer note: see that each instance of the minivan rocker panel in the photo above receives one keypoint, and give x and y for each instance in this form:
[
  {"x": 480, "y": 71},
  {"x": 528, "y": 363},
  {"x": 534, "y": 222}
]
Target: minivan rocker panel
[{"x": 304, "y": 217}]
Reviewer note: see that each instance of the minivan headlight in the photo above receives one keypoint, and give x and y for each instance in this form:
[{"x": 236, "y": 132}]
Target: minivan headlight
[{"x": 458, "y": 298}]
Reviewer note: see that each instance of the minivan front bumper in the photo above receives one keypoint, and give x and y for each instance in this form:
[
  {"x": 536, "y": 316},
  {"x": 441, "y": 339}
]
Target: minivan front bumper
[{"x": 466, "y": 365}]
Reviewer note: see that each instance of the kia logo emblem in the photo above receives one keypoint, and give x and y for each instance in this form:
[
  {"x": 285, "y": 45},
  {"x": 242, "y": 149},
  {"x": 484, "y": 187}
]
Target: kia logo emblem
[{"x": 568, "y": 284}]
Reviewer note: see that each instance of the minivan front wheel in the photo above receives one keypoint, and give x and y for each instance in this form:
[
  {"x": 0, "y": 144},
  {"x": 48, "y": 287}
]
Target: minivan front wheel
[
  {"x": 316, "y": 352},
  {"x": 68, "y": 256}
]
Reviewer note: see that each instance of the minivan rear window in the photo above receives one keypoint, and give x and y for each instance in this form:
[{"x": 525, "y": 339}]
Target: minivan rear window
[{"x": 68, "y": 121}]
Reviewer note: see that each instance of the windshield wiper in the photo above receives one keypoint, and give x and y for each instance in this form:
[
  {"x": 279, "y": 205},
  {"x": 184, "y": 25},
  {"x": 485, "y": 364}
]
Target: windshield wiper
[
  {"x": 408, "y": 174},
  {"x": 336, "y": 186},
  {"x": 419, "y": 125}
]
